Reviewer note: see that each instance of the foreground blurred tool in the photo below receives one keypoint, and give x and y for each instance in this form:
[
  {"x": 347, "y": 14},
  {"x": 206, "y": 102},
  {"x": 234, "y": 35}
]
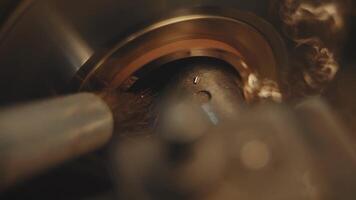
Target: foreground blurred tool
[
  {"x": 269, "y": 152},
  {"x": 40, "y": 135}
]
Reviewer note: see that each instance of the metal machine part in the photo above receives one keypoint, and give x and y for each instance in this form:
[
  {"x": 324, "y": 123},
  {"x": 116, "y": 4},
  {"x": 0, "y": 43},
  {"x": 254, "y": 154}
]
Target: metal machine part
[
  {"x": 52, "y": 47},
  {"x": 246, "y": 42},
  {"x": 59, "y": 51},
  {"x": 56, "y": 38},
  {"x": 41, "y": 135}
]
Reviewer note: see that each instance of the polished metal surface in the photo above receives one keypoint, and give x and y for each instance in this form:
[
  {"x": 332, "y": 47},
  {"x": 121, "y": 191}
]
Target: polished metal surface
[
  {"x": 47, "y": 41},
  {"x": 246, "y": 42}
]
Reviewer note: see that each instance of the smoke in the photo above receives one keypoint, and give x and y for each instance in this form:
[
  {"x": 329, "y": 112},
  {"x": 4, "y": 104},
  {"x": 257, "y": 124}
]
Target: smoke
[
  {"x": 316, "y": 28},
  {"x": 323, "y": 65},
  {"x": 295, "y": 12},
  {"x": 262, "y": 89}
]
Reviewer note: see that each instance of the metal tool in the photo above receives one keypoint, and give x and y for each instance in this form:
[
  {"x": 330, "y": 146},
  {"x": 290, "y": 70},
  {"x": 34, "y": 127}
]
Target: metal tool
[{"x": 37, "y": 136}]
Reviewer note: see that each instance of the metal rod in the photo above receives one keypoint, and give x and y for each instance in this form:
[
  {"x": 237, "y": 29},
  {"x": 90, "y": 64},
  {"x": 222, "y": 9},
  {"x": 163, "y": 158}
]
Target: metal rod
[{"x": 37, "y": 136}]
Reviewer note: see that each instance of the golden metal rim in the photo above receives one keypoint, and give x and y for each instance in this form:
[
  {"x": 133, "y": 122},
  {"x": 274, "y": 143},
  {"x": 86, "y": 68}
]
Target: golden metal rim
[{"x": 114, "y": 73}]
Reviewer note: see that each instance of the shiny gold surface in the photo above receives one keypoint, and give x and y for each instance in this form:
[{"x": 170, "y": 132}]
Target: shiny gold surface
[
  {"x": 197, "y": 33},
  {"x": 45, "y": 42}
]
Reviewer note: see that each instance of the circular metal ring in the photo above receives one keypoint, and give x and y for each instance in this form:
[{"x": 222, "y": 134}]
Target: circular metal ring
[{"x": 196, "y": 33}]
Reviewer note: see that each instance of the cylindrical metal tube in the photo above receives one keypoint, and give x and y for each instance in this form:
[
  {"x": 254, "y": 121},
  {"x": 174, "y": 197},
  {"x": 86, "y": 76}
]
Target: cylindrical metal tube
[{"x": 39, "y": 135}]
